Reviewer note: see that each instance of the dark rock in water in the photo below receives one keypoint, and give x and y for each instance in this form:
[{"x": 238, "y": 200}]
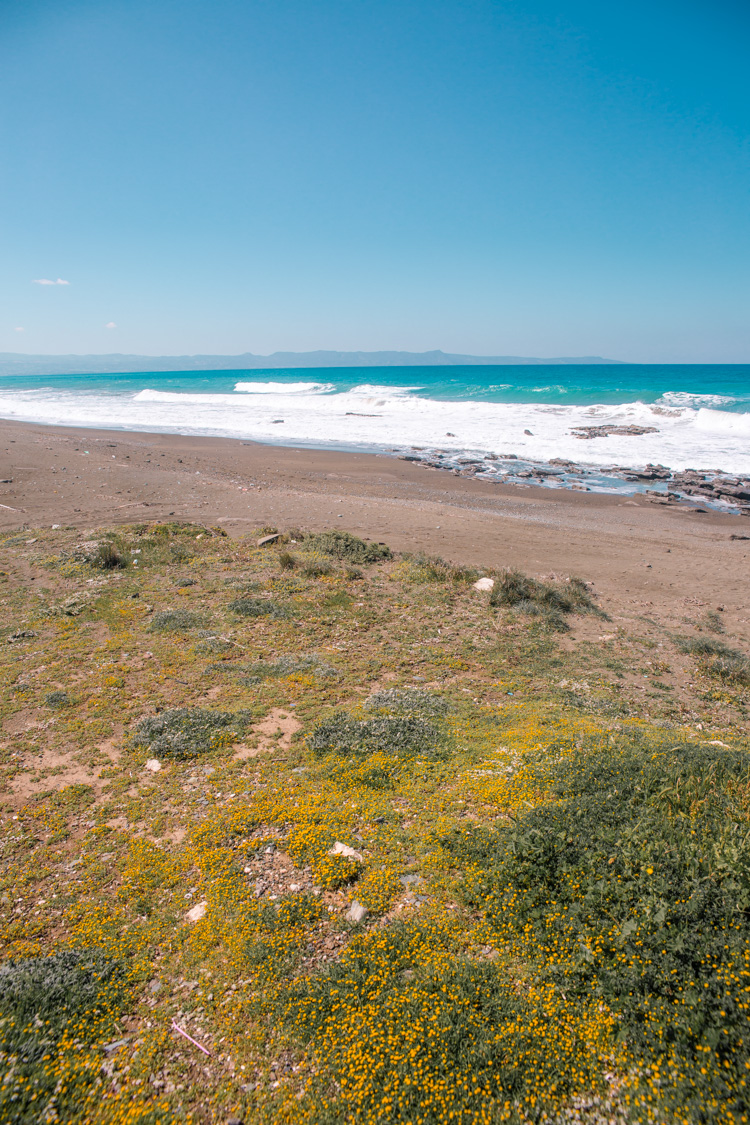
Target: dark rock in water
[
  {"x": 654, "y": 472},
  {"x": 585, "y": 433},
  {"x": 408, "y": 457},
  {"x": 562, "y": 463},
  {"x": 528, "y": 432},
  {"x": 734, "y": 493}
]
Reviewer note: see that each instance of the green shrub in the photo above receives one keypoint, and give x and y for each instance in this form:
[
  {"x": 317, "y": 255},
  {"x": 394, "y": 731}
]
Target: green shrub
[
  {"x": 288, "y": 666},
  {"x": 281, "y": 931},
  {"x": 717, "y": 658},
  {"x": 347, "y": 547},
  {"x": 549, "y": 601},
  {"x": 402, "y": 736},
  {"x": 410, "y": 1032},
  {"x": 178, "y": 528},
  {"x": 317, "y": 566},
  {"x": 633, "y": 885},
  {"x": 287, "y": 560},
  {"x": 334, "y": 871},
  {"x": 407, "y": 701},
  {"x": 210, "y": 642},
  {"x": 712, "y": 621},
  {"x": 174, "y": 621},
  {"x": 108, "y": 556},
  {"x": 702, "y": 646},
  {"x": 187, "y": 732},
  {"x": 734, "y": 667},
  {"x": 257, "y": 607},
  {"x": 57, "y": 699},
  {"x": 76, "y": 994},
  {"x": 180, "y": 552},
  {"x": 431, "y": 568}
]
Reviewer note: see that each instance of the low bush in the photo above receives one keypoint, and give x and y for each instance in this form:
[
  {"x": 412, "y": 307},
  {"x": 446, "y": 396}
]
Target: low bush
[
  {"x": 187, "y": 732},
  {"x": 174, "y": 621},
  {"x": 717, "y": 658},
  {"x": 632, "y": 885},
  {"x": 334, "y": 871},
  {"x": 410, "y": 1032},
  {"x": 180, "y": 552},
  {"x": 431, "y": 568},
  {"x": 57, "y": 699},
  {"x": 347, "y": 547},
  {"x": 317, "y": 565},
  {"x": 210, "y": 642},
  {"x": 712, "y": 621},
  {"x": 407, "y": 701},
  {"x": 108, "y": 556},
  {"x": 550, "y": 601},
  {"x": 177, "y": 528},
  {"x": 280, "y": 931},
  {"x": 403, "y": 736},
  {"x": 378, "y": 889},
  {"x": 72, "y": 998},
  {"x": 257, "y": 607}
]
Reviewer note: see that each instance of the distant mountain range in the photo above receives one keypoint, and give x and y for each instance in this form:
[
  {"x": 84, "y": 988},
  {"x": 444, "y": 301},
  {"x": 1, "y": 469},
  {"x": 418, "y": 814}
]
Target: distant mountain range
[{"x": 16, "y": 363}]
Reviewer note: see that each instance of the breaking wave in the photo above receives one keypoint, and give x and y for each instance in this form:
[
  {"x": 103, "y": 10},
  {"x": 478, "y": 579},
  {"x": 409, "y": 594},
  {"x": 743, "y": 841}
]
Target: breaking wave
[{"x": 692, "y": 434}]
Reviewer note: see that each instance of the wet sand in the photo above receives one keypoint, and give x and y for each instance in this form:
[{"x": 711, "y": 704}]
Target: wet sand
[{"x": 643, "y": 557}]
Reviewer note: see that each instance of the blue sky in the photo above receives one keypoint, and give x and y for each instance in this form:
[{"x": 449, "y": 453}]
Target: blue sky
[{"x": 532, "y": 178}]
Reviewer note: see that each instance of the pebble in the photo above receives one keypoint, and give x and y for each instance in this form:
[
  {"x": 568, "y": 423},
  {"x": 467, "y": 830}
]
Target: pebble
[
  {"x": 356, "y": 912},
  {"x": 484, "y": 584},
  {"x": 343, "y": 849}
]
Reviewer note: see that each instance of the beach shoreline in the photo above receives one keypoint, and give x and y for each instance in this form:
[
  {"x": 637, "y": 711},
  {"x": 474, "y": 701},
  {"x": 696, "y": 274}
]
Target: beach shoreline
[{"x": 640, "y": 551}]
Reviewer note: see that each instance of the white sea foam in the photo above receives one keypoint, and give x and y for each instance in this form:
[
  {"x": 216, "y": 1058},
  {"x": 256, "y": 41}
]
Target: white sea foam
[
  {"x": 685, "y": 398},
  {"x": 377, "y": 416},
  {"x": 284, "y": 388}
]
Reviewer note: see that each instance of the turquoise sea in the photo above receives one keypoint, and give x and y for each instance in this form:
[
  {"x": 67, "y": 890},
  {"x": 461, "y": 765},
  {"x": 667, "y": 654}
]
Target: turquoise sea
[
  {"x": 726, "y": 386},
  {"x": 695, "y": 416}
]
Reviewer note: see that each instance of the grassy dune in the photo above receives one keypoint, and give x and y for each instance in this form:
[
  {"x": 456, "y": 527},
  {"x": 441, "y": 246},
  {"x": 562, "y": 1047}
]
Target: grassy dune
[{"x": 387, "y": 848}]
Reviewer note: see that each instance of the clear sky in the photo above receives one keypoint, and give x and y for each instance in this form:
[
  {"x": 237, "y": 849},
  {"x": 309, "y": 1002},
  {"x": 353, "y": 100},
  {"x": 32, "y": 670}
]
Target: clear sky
[{"x": 533, "y": 177}]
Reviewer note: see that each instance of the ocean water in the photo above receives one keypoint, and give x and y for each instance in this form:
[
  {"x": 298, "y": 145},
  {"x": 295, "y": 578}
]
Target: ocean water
[{"x": 700, "y": 413}]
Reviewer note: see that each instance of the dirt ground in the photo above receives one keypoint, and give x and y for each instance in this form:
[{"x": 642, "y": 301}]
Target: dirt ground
[{"x": 645, "y": 559}]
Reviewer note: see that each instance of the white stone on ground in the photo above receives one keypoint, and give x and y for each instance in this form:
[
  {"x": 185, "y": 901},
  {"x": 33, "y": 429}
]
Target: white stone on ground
[
  {"x": 197, "y": 912},
  {"x": 356, "y": 912},
  {"x": 342, "y": 849}
]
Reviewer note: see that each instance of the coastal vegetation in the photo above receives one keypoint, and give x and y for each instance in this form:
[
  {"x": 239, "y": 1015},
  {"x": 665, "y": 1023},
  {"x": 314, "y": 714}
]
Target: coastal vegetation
[{"x": 312, "y": 832}]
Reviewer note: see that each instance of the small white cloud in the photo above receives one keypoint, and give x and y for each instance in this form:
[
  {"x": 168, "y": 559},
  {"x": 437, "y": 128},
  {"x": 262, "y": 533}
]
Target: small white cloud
[
  {"x": 47, "y": 281},
  {"x": 19, "y": 330},
  {"x": 111, "y": 324}
]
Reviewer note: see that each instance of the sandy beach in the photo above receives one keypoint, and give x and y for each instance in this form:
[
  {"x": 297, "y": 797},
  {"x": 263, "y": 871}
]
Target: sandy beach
[{"x": 643, "y": 557}]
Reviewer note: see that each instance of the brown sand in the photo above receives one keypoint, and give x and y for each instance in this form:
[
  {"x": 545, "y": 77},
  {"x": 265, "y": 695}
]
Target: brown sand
[{"x": 646, "y": 560}]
